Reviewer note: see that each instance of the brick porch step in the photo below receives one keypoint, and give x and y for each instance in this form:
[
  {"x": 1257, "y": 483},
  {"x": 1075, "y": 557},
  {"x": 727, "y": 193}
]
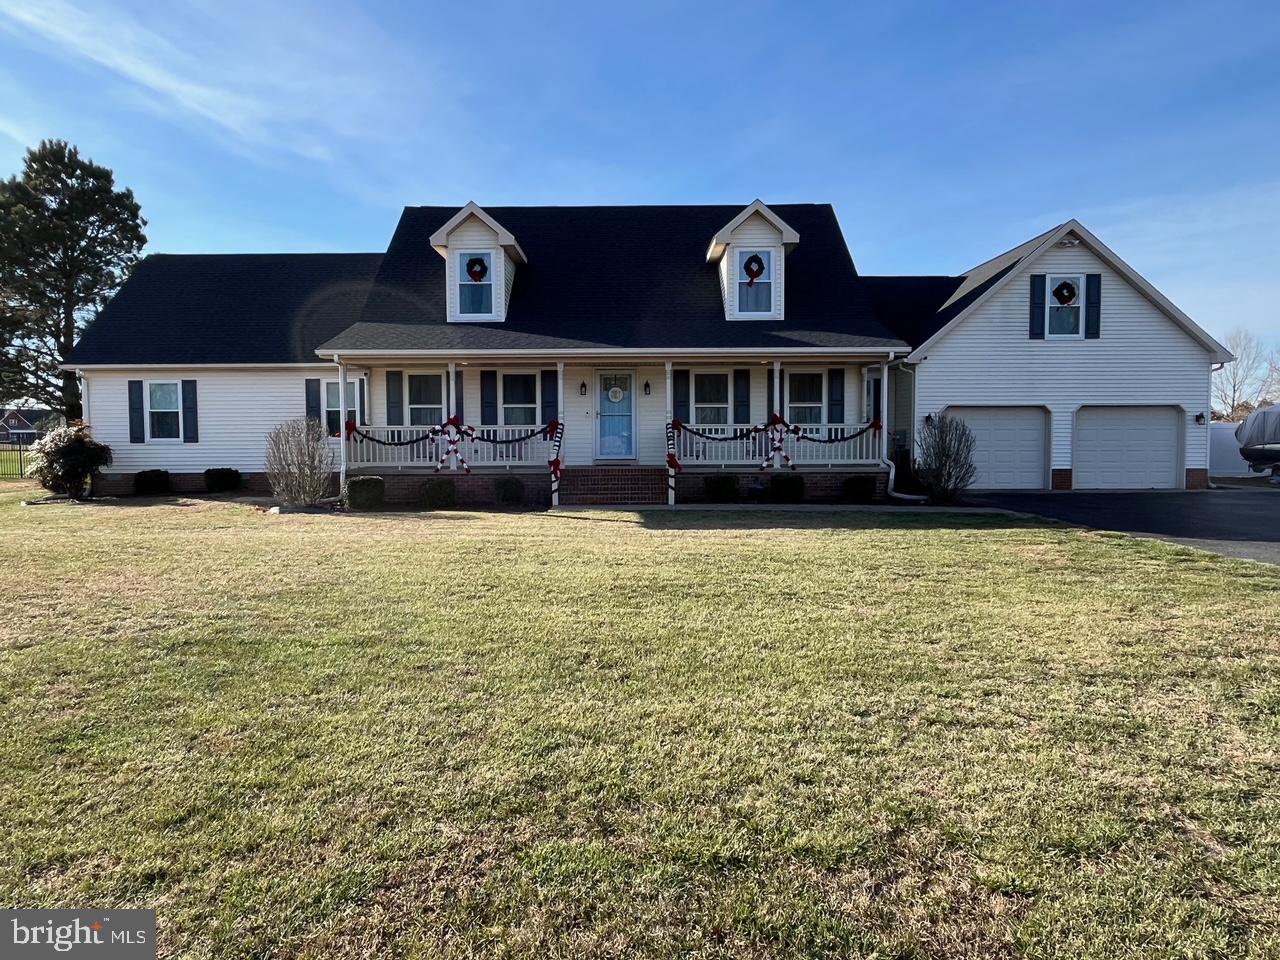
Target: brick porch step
[{"x": 615, "y": 486}]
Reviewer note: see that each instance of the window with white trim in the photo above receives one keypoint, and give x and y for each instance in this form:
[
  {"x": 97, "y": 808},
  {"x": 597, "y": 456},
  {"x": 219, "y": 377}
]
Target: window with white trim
[
  {"x": 426, "y": 399},
  {"x": 519, "y": 399},
  {"x": 710, "y": 398},
  {"x": 805, "y": 397},
  {"x": 1064, "y": 306},
  {"x": 333, "y": 418},
  {"x": 755, "y": 281},
  {"x": 164, "y": 410},
  {"x": 475, "y": 283}
]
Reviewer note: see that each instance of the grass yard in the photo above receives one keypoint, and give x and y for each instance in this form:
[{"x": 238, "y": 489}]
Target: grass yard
[{"x": 647, "y": 736}]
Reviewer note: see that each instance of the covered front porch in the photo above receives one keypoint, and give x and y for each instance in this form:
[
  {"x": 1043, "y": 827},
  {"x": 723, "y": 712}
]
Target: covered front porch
[{"x": 609, "y": 413}]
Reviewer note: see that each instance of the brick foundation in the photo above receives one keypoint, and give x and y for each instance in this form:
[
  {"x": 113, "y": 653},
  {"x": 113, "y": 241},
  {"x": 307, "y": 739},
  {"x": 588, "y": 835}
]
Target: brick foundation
[
  {"x": 474, "y": 489},
  {"x": 1197, "y": 479},
  {"x": 820, "y": 486},
  {"x": 620, "y": 486},
  {"x": 1060, "y": 479}
]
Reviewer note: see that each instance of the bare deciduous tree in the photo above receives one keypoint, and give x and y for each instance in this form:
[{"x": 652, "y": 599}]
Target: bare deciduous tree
[
  {"x": 946, "y": 465},
  {"x": 1254, "y": 376},
  {"x": 299, "y": 461}
]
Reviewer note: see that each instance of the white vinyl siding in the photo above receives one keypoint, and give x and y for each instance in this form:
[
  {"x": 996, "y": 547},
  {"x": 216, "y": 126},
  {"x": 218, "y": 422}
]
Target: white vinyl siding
[
  {"x": 1142, "y": 357},
  {"x": 472, "y": 235}
]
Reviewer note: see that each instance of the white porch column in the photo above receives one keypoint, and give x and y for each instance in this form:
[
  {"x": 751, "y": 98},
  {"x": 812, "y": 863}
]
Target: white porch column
[
  {"x": 555, "y": 451},
  {"x": 884, "y": 409},
  {"x": 671, "y": 473},
  {"x": 342, "y": 427},
  {"x": 451, "y": 402},
  {"x": 777, "y": 397}
]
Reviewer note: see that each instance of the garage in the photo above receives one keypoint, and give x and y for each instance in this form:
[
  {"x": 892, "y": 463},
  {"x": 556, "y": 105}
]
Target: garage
[
  {"x": 1133, "y": 448},
  {"x": 1011, "y": 449}
]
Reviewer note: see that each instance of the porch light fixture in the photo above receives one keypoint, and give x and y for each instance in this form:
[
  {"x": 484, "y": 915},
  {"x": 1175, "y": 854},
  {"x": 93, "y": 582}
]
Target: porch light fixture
[
  {"x": 582, "y": 389},
  {"x": 1200, "y": 417},
  {"x": 647, "y": 389}
]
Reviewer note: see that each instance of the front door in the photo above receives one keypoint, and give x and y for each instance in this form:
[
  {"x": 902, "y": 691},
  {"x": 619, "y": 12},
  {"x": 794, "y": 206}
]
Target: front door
[{"x": 616, "y": 410}]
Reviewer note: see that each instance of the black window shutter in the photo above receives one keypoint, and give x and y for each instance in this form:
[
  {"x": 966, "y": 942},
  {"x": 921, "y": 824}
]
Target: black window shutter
[
  {"x": 1092, "y": 306},
  {"x": 550, "y": 396},
  {"x": 190, "y": 413},
  {"x": 742, "y": 396},
  {"x": 488, "y": 397},
  {"x": 313, "y": 398},
  {"x": 137, "y": 430},
  {"x": 362, "y": 411},
  {"x": 835, "y": 395},
  {"x": 457, "y": 396},
  {"x": 1037, "y": 306},
  {"x": 680, "y": 395},
  {"x": 395, "y": 398}
]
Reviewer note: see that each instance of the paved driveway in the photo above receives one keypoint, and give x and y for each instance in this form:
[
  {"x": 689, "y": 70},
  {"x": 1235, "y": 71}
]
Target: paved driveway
[{"x": 1236, "y": 523}]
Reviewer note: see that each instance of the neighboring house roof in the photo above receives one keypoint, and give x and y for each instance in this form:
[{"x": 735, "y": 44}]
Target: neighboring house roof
[
  {"x": 982, "y": 282},
  {"x": 27, "y": 419},
  {"x": 630, "y": 277},
  {"x": 229, "y": 308}
]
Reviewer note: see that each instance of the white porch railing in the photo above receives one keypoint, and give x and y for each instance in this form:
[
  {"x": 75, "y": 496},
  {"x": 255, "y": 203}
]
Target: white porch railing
[
  {"x": 422, "y": 447},
  {"x": 698, "y": 451}
]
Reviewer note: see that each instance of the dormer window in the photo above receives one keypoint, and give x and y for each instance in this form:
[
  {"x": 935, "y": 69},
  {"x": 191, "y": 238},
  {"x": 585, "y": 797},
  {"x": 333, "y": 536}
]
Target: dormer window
[
  {"x": 475, "y": 283},
  {"x": 755, "y": 281}
]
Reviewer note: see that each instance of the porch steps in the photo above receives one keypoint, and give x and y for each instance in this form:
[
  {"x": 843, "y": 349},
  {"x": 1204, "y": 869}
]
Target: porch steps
[{"x": 613, "y": 486}]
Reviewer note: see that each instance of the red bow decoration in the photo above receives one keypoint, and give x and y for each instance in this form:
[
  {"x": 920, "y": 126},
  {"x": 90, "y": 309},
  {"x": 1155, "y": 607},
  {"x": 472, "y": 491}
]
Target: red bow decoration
[
  {"x": 552, "y": 426},
  {"x": 776, "y": 420},
  {"x": 350, "y": 428},
  {"x": 753, "y": 267},
  {"x": 876, "y": 425},
  {"x": 455, "y": 421},
  {"x": 674, "y": 463},
  {"x": 477, "y": 269},
  {"x": 554, "y": 464},
  {"x": 676, "y": 424}
]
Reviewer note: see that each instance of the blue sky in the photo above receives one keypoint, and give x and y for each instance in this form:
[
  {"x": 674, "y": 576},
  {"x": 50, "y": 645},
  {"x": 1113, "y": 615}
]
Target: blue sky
[{"x": 943, "y": 133}]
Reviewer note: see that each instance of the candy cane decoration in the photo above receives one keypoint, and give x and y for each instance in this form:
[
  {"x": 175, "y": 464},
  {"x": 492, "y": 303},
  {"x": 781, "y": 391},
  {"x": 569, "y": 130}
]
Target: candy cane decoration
[
  {"x": 673, "y": 463},
  {"x": 554, "y": 463}
]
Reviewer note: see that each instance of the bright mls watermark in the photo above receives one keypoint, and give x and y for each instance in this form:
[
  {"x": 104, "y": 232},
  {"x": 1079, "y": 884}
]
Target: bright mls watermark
[{"x": 102, "y": 934}]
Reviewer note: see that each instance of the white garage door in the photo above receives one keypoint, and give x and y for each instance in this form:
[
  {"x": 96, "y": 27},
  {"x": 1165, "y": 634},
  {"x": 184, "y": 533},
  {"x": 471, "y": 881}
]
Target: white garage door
[
  {"x": 1010, "y": 446},
  {"x": 1126, "y": 447}
]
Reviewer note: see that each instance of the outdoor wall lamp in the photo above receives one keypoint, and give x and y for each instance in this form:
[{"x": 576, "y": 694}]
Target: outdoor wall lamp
[
  {"x": 582, "y": 389},
  {"x": 647, "y": 389},
  {"x": 1200, "y": 417},
  {"x": 928, "y": 418}
]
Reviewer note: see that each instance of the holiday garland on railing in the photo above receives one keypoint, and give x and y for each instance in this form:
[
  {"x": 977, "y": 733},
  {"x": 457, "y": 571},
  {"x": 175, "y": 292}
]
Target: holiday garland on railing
[
  {"x": 455, "y": 431},
  {"x": 777, "y": 428}
]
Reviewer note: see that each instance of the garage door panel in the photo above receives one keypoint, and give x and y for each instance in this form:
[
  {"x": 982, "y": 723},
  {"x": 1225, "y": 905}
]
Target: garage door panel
[
  {"x": 1009, "y": 446},
  {"x": 1126, "y": 448}
]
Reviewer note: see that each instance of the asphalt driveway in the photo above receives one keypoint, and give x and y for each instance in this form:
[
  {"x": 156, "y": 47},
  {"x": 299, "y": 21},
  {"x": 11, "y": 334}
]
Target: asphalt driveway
[{"x": 1235, "y": 523}]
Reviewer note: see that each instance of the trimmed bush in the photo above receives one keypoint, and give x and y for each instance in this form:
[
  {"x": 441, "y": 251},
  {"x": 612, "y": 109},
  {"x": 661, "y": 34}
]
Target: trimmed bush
[
  {"x": 720, "y": 488},
  {"x": 66, "y": 460},
  {"x": 508, "y": 491},
  {"x": 858, "y": 490},
  {"x": 786, "y": 488},
  {"x": 365, "y": 493},
  {"x": 438, "y": 493},
  {"x": 152, "y": 483},
  {"x": 221, "y": 479}
]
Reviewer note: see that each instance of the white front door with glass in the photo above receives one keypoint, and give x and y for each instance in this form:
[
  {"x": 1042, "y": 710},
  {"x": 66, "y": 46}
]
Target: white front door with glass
[{"x": 615, "y": 434}]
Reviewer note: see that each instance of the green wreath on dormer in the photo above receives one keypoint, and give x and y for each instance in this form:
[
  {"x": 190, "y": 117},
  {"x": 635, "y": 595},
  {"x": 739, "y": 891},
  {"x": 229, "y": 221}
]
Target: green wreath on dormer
[
  {"x": 477, "y": 269},
  {"x": 753, "y": 267},
  {"x": 1065, "y": 293}
]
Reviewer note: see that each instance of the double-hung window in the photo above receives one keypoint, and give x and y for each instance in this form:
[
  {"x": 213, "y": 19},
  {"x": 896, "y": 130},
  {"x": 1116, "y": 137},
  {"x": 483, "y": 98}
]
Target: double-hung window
[
  {"x": 164, "y": 410},
  {"x": 755, "y": 281},
  {"x": 519, "y": 399},
  {"x": 710, "y": 398},
  {"x": 1064, "y": 306},
  {"x": 804, "y": 398},
  {"x": 475, "y": 283},
  {"x": 426, "y": 399},
  {"x": 333, "y": 415}
]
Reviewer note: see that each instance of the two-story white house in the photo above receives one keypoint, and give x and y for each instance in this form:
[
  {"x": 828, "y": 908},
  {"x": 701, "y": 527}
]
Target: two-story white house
[{"x": 623, "y": 354}]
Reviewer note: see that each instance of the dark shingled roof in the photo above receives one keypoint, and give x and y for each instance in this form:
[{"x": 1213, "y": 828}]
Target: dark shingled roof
[
  {"x": 235, "y": 308},
  {"x": 633, "y": 277}
]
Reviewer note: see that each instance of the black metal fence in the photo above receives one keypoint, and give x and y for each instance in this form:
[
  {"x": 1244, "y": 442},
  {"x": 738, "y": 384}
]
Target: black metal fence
[{"x": 14, "y": 458}]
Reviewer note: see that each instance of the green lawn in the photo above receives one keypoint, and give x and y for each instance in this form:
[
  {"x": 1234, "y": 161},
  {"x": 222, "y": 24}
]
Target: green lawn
[{"x": 622, "y": 735}]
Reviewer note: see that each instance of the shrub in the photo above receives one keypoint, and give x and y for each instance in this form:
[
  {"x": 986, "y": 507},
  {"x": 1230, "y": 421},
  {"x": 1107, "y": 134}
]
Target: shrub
[
  {"x": 508, "y": 491},
  {"x": 365, "y": 493},
  {"x": 152, "y": 483},
  {"x": 946, "y": 465},
  {"x": 786, "y": 488},
  {"x": 221, "y": 479},
  {"x": 66, "y": 460},
  {"x": 299, "y": 461},
  {"x": 720, "y": 488},
  {"x": 438, "y": 493},
  {"x": 858, "y": 489}
]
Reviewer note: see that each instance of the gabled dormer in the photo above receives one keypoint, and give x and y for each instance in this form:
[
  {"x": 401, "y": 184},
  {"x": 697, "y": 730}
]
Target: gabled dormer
[
  {"x": 751, "y": 251},
  {"x": 480, "y": 256}
]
